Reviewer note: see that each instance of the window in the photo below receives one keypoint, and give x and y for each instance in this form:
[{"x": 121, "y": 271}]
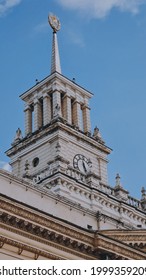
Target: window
[{"x": 35, "y": 162}]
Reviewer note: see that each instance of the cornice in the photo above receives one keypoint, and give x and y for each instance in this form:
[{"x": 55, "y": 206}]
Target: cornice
[
  {"x": 32, "y": 225},
  {"x": 45, "y": 220},
  {"x": 46, "y": 231},
  {"x": 21, "y": 247},
  {"x": 120, "y": 249},
  {"x": 132, "y": 236},
  {"x": 53, "y": 126},
  {"x": 49, "y": 80},
  {"x": 50, "y": 239}
]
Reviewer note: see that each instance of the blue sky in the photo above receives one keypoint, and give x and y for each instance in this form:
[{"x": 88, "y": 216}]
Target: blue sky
[{"x": 103, "y": 45}]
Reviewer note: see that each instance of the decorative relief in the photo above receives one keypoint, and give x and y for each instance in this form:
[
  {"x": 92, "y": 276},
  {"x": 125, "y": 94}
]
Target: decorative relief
[{"x": 130, "y": 238}]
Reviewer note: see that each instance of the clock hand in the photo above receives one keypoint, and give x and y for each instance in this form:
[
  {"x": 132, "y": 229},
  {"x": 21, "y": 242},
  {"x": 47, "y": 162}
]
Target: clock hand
[{"x": 84, "y": 166}]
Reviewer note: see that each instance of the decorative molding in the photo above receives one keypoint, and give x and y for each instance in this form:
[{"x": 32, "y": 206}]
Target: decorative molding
[
  {"x": 45, "y": 229},
  {"x": 28, "y": 248},
  {"x": 45, "y": 220},
  {"x": 41, "y": 228},
  {"x": 120, "y": 249}
]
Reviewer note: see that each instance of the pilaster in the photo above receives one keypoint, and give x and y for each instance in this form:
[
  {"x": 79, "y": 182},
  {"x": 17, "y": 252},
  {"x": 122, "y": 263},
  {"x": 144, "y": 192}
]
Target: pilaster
[
  {"x": 46, "y": 109},
  {"x": 76, "y": 113},
  {"x": 56, "y": 104},
  {"x": 67, "y": 109},
  {"x": 28, "y": 120},
  {"x": 37, "y": 115},
  {"x": 86, "y": 119}
]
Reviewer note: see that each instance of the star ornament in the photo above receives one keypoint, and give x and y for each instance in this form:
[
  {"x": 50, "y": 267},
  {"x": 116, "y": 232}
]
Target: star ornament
[{"x": 54, "y": 22}]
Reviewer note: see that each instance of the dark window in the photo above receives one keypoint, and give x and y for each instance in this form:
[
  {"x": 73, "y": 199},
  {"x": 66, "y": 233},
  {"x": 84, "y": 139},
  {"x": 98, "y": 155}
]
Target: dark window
[{"x": 35, "y": 162}]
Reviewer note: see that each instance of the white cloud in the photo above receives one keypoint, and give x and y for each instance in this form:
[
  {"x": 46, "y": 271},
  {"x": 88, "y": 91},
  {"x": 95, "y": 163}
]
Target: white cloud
[
  {"x": 5, "y": 165},
  {"x": 42, "y": 27},
  {"x": 6, "y": 5},
  {"x": 100, "y": 8},
  {"x": 75, "y": 37}
]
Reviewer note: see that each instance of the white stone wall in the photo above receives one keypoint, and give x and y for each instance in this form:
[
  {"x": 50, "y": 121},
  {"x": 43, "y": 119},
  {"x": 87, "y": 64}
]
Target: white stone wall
[
  {"x": 72, "y": 145},
  {"x": 81, "y": 214}
]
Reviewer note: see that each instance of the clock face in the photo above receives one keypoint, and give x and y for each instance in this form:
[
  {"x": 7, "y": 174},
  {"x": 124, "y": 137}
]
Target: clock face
[{"x": 81, "y": 163}]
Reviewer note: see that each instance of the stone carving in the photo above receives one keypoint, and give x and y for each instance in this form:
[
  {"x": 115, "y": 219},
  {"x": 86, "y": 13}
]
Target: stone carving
[
  {"x": 97, "y": 135},
  {"x": 54, "y": 22},
  {"x": 18, "y": 136},
  {"x": 57, "y": 111}
]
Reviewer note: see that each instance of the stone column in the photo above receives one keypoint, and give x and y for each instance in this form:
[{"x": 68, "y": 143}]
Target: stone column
[
  {"x": 38, "y": 118},
  {"x": 67, "y": 109},
  {"x": 46, "y": 109},
  {"x": 86, "y": 119},
  {"x": 56, "y": 104},
  {"x": 76, "y": 114},
  {"x": 28, "y": 120}
]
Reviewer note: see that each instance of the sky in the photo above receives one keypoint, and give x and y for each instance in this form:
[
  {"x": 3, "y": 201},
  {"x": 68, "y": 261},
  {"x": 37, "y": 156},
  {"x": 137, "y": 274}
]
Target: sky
[{"x": 102, "y": 45}]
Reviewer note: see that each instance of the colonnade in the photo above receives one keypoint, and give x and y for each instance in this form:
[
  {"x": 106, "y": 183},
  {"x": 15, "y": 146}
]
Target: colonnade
[{"x": 42, "y": 110}]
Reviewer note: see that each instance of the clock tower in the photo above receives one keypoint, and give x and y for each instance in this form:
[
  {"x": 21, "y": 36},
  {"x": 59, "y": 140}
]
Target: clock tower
[
  {"x": 57, "y": 203},
  {"x": 58, "y": 151},
  {"x": 61, "y": 164}
]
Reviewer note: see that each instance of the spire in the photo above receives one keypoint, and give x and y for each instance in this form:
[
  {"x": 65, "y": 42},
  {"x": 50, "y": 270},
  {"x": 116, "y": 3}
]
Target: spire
[{"x": 55, "y": 62}]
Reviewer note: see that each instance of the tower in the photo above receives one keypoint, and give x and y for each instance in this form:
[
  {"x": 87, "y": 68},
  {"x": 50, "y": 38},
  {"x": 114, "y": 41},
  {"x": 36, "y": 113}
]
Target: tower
[
  {"x": 58, "y": 147},
  {"x": 61, "y": 157}
]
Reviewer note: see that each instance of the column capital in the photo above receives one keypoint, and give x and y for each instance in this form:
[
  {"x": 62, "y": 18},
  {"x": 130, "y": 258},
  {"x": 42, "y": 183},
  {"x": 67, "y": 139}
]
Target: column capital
[
  {"x": 27, "y": 107},
  {"x": 86, "y": 106},
  {"x": 56, "y": 87},
  {"x": 66, "y": 95},
  {"x": 76, "y": 102},
  {"x": 46, "y": 95},
  {"x": 36, "y": 101}
]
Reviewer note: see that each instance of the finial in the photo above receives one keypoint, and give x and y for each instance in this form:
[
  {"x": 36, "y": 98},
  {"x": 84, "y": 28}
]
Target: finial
[
  {"x": 143, "y": 191},
  {"x": 143, "y": 199},
  {"x": 54, "y": 22},
  {"x": 97, "y": 135},
  {"x": 118, "y": 180},
  {"x": 96, "y": 132},
  {"x": 18, "y": 133},
  {"x": 18, "y": 136}
]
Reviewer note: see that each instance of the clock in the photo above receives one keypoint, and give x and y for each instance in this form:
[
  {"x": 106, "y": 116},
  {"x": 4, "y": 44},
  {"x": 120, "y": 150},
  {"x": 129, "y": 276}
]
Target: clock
[{"x": 81, "y": 163}]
